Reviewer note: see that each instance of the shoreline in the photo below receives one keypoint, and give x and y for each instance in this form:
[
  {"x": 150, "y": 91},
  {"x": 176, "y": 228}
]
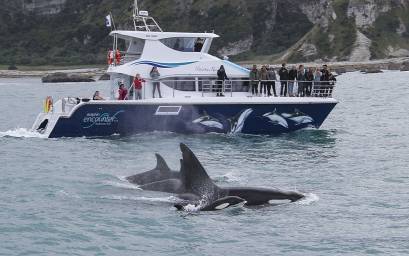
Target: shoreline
[{"x": 341, "y": 67}]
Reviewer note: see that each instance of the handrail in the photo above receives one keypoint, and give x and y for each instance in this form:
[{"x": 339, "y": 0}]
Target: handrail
[{"x": 317, "y": 89}]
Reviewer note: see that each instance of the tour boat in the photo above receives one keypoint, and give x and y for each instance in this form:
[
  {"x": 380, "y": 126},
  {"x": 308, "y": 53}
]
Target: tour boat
[{"x": 189, "y": 89}]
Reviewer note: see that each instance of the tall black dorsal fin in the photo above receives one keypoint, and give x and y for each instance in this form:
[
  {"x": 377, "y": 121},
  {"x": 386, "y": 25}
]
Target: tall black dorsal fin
[
  {"x": 194, "y": 176},
  {"x": 161, "y": 163}
]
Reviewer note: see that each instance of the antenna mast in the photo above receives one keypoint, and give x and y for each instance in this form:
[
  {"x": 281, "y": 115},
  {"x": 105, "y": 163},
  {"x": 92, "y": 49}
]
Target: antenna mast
[{"x": 142, "y": 21}]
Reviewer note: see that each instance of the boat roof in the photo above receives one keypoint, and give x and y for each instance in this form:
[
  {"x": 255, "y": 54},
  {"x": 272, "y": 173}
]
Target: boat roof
[{"x": 128, "y": 34}]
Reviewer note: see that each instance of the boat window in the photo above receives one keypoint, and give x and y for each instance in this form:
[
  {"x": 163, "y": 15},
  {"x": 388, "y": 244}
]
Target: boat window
[
  {"x": 181, "y": 83},
  {"x": 168, "y": 110},
  {"x": 135, "y": 50},
  {"x": 184, "y": 44}
]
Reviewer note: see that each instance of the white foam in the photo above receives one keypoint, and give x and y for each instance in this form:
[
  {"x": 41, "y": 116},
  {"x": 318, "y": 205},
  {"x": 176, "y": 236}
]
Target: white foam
[
  {"x": 229, "y": 177},
  {"x": 170, "y": 199},
  {"x": 308, "y": 199},
  {"x": 192, "y": 208},
  {"x": 22, "y": 133},
  {"x": 122, "y": 185}
]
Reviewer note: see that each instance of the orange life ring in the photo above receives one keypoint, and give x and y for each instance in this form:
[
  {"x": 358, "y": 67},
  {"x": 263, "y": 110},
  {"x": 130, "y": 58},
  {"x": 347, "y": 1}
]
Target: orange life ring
[{"x": 48, "y": 104}]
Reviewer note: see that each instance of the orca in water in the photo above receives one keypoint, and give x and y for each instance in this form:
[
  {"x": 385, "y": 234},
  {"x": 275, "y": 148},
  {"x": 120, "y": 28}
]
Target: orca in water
[
  {"x": 196, "y": 184},
  {"x": 159, "y": 173}
]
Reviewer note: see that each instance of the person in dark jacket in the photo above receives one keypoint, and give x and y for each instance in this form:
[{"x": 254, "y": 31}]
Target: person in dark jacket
[
  {"x": 272, "y": 77},
  {"x": 292, "y": 75},
  {"x": 283, "y": 73},
  {"x": 155, "y": 81},
  {"x": 309, "y": 77},
  {"x": 263, "y": 80},
  {"x": 254, "y": 80},
  {"x": 221, "y": 77},
  {"x": 300, "y": 80}
]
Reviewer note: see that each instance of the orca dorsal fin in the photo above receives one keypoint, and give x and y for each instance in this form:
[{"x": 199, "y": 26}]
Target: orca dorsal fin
[
  {"x": 161, "y": 163},
  {"x": 194, "y": 176}
]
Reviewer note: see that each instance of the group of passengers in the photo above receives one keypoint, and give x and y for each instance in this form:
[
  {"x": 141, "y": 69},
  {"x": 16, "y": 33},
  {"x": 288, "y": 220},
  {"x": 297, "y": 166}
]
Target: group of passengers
[
  {"x": 294, "y": 82},
  {"x": 136, "y": 87}
]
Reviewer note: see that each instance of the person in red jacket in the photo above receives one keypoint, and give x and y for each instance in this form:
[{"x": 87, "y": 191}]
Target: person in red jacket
[
  {"x": 137, "y": 84},
  {"x": 117, "y": 57},
  {"x": 123, "y": 92}
]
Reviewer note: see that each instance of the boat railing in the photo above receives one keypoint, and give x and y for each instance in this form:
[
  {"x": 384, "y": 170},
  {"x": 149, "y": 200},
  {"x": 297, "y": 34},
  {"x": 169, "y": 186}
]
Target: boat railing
[
  {"x": 209, "y": 87},
  {"x": 323, "y": 89}
]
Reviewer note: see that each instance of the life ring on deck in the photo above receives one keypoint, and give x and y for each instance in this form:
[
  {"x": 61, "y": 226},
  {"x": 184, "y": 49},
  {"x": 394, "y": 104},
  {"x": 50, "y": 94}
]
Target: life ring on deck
[{"x": 48, "y": 104}]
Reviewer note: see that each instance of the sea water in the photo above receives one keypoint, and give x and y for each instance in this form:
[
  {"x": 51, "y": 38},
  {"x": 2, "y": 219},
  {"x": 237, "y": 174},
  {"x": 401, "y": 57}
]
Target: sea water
[{"x": 69, "y": 196}]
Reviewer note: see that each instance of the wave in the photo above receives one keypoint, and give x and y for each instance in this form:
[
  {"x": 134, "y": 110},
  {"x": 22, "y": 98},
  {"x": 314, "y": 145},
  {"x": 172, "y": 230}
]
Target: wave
[
  {"x": 170, "y": 199},
  {"x": 228, "y": 177},
  {"x": 309, "y": 199},
  {"x": 22, "y": 133},
  {"x": 123, "y": 184}
]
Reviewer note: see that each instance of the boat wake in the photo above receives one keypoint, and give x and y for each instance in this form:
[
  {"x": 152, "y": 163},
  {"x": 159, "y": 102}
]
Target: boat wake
[{"x": 21, "y": 133}]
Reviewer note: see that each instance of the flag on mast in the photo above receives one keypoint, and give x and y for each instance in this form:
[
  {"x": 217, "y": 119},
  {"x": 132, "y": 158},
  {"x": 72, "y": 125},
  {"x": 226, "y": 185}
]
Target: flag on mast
[{"x": 108, "y": 21}]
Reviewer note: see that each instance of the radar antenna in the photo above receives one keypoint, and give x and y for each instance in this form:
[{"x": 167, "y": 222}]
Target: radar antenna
[{"x": 143, "y": 22}]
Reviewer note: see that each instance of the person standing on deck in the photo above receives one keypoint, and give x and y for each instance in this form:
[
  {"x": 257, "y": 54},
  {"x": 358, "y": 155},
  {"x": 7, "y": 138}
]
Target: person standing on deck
[
  {"x": 283, "y": 73},
  {"x": 309, "y": 77},
  {"x": 292, "y": 75},
  {"x": 221, "y": 77},
  {"x": 137, "y": 85},
  {"x": 254, "y": 80},
  {"x": 156, "y": 84},
  {"x": 300, "y": 80},
  {"x": 263, "y": 81},
  {"x": 272, "y": 77},
  {"x": 118, "y": 57},
  {"x": 122, "y": 92}
]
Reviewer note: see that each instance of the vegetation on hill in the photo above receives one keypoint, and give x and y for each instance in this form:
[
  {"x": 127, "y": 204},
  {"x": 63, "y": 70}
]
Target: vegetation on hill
[{"x": 77, "y": 35}]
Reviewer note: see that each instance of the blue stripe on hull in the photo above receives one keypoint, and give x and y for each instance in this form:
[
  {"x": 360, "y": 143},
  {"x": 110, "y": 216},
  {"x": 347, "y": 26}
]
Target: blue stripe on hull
[{"x": 94, "y": 120}]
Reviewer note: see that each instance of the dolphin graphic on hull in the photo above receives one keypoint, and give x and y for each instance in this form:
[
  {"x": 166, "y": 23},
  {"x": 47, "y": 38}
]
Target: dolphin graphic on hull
[
  {"x": 208, "y": 121},
  {"x": 196, "y": 188},
  {"x": 298, "y": 118},
  {"x": 276, "y": 119},
  {"x": 237, "y": 122}
]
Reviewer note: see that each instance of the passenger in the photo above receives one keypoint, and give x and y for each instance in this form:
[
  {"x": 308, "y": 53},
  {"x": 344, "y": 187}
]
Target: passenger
[
  {"x": 283, "y": 73},
  {"x": 123, "y": 92},
  {"x": 309, "y": 77},
  {"x": 156, "y": 84},
  {"x": 110, "y": 57},
  {"x": 198, "y": 45},
  {"x": 97, "y": 96},
  {"x": 137, "y": 85},
  {"x": 263, "y": 80},
  {"x": 300, "y": 80},
  {"x": 317, "y": 82},
  {"x": 254, "y": 80},
  {"x": 118, "y": 57},
  {"x": 272, "y": 77},
  {"x": 221, "y": 77},
  {"x": 292, "y": 75}
]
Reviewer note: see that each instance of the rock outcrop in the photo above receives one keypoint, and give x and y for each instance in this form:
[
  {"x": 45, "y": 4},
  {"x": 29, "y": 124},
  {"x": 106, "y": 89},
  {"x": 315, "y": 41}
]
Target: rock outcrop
[{"x": 60, "y": 77}]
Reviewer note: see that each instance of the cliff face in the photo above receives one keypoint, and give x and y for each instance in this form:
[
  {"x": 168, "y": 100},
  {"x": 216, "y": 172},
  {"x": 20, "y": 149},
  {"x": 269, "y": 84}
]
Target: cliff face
[{"x": 71, "y": 31}]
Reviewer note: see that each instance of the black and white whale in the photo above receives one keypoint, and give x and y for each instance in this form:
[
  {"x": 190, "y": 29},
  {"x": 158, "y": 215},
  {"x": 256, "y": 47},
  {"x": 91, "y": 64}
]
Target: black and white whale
[
  {"x": 196, "y": 188},
  {"x": 159, "y": 173}
]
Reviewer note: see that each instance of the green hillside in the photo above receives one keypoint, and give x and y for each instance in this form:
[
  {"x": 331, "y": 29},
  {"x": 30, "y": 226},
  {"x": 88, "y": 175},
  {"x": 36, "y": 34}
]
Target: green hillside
[{"x": 258, "y": 29}]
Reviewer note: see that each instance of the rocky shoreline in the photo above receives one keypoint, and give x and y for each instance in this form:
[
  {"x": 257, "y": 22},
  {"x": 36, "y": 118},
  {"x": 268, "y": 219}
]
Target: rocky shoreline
[{"x": 91, "y": 74}]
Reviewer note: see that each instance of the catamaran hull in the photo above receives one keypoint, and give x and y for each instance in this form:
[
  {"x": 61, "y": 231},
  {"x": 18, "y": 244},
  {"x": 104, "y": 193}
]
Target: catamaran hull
[{"x": 99, "y": 119}]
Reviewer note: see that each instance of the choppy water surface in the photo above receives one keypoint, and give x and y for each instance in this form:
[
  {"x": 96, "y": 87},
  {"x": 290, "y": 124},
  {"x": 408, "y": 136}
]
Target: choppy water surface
[{"x": 68, "y": 196}]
